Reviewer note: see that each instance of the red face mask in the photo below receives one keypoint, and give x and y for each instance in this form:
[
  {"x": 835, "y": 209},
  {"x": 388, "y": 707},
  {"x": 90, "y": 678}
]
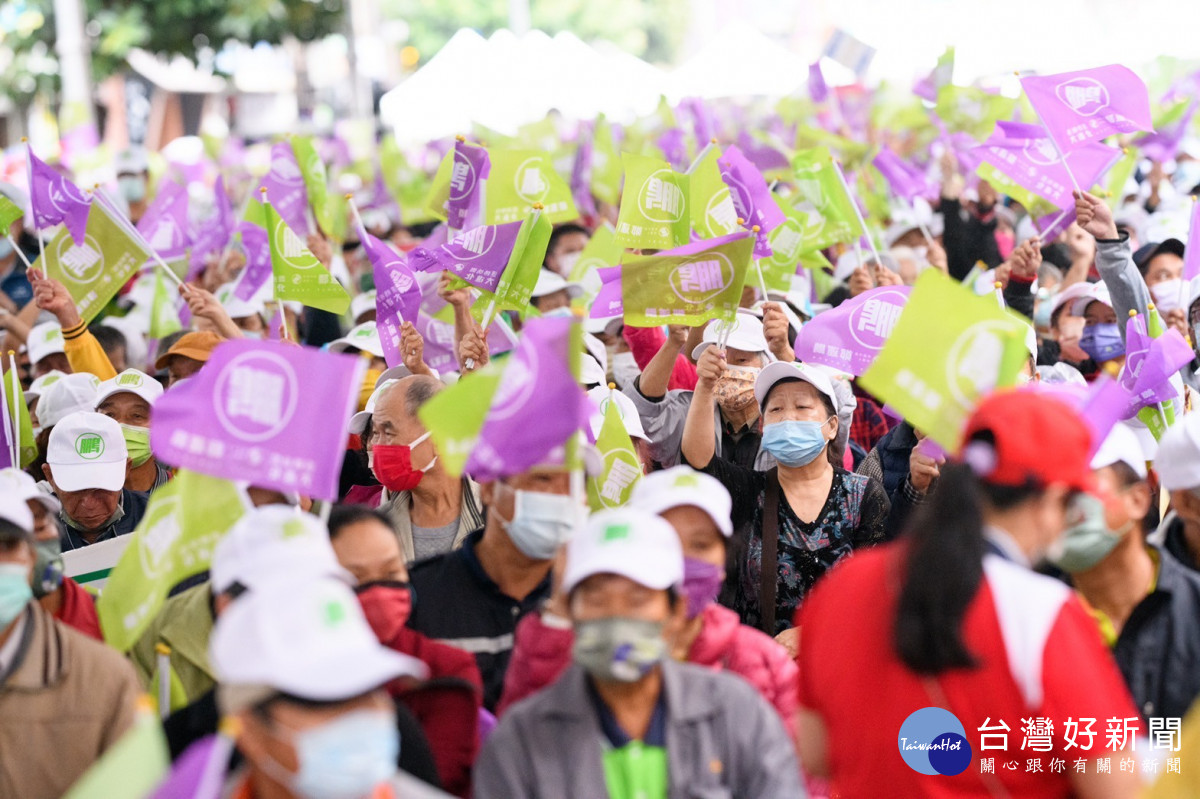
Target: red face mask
[
  {"x": 392, "y": 464},
  {"x": 387, "y": 604}
]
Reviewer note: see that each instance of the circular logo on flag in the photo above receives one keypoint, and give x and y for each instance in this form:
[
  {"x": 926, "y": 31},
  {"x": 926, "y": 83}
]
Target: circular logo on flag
[
  {"x": 621, "y": 470},
  {"x": 530, "y": 183},
  {"x": 786, "y": 241},
  {"x": 167, "y": 235},
  {"x": 702, "y": 277},
  {"x": 719, "y": 215},
  {"x": 873, "y": 321},
  {"x": 1085, "y": 96},
  {"x": 293, "y": 250},
  {"x": 661, "y": 199},
  {"x": 159, "y": 531},
  {"x": 1041, "y": 152},
  {"x": 974, "y": 359},
  {"x": 933, "y": 741},
  {"x": 516, "y": 386},
  {"x": 284, "y": 167},
  {"x": 79, "y": 263},
  {"x": 460, "y": 189},
  {"x": 89, "y": 446},
  {"x": 256, "y": 396},
  {"x": 474, "y": 243},
  {"x": 64, "y": 195}
]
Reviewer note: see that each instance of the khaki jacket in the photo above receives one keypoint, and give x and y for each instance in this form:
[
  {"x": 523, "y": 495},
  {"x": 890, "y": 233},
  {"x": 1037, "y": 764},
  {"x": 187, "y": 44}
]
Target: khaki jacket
[
  {"x": 184, "y": 624},
  {"x": 66, "y": 700}
]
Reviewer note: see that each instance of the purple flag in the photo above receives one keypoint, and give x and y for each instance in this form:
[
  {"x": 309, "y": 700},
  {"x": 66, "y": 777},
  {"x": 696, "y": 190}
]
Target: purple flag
[
  {"x": 397, "y": 295},
  {"x": 198, "y": 773},
  {"x": 272, "y": 414},
  {"x": 1164, "y": 144},
  {"x": 215, "y": 232},
  {"x": 439, "y": 343},
  {"x": 285, "y": 189},
  {"x": 258, "y": 260},
  {"x": 275, "y": 326},
  {"x": 581, "y": 177},
  {"x": 470, "y": 166},
  {"x": 608, "y": 301},
  {"x": 704, "y": 126},
  {"x": 1052, "y": 225},
  {"x": 1031, "y": 161},
  {"x": 850, "y": 336},
  {"x": 1150, "y": 363},
  {"x": 538, "y": 404},
  {"x": 751, "y": 197},
  {"x": 817, "y": 89},
  {"x": 54, "y": 199},
  {"x": 477, "y": 256},
  {"x": 165, "y": 223},
  {"x": 905, "y": 179},
  {"x": 1106, "y": 404},
  {"x": 673, "y": 143},
  {"x": 1191, "y": 253},
  {"x": 1089, "y": 105}
]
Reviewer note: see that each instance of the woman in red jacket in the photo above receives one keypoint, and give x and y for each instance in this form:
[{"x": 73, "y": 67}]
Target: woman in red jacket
[{"x": 698, "y": 507}]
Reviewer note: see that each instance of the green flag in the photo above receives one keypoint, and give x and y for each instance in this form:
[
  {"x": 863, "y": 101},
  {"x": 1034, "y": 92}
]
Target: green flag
[
  {"x": 298, "y": 274},
  {"x": 520, "y": 178},
  {"x": 316, "y": 182},
  {"x": 686, "y": 289},
  {"x": 164, "y": 317},
  {"x": 606, "y": 165},
  {"x": 1120, "y": 173},
  {"x": 622, "y": 469},
  {"x": 654, "y": 207},
  {"x": 454, "y": 416},
  {"x": 1034, "y": 203},
  {"x": 19, "y": 412},
  {"x": 94, "y": 270},
  {"x": 948, "y": 350},
  {"x": 132, "y": 767},
  {"x": 439, "y": 189},
  {"x": 787, "y": 244},
  {"x": 255, "y": 213},
  {"x": 835, "y": 218},
  {"x": 9, "y": 212},
  {"x": 407, "y": 184},
  {"x": 174, "y": 540},
  {"x": 601, "y": 250},
  {"x": 709, "y": 202},
  {"x": 972, "y": 110},
  {"x": 524, "y": 265}
]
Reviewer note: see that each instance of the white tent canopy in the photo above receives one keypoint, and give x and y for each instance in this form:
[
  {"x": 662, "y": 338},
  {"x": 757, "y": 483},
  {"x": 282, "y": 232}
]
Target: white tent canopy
[
  {"x": 741, "y": 61},
  {"x": 506, "y": 81}
]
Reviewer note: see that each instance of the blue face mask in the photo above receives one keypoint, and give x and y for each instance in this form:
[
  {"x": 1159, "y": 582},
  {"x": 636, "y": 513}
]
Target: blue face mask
[
  {"x": 795, "y": 443},
  {"x": 1102, "y": 342},
  {"x": 15, "y": 591},
  {"x": 343, "y": 759},
  {"x": 6, "y": 249}
]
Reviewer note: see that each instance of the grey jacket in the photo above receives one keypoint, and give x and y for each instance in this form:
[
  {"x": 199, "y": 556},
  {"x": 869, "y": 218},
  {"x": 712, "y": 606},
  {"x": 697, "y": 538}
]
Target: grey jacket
[
  {"x": 398, "y": 508},
  {"x": 663, "y": 421},
  {"x": 1128, "y": 289},
  {"x": 723, "y": 741}
]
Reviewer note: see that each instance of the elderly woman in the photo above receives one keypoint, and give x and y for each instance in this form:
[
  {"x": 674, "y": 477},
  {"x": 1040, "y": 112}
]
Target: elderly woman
[{"x": 797, "y": 520}]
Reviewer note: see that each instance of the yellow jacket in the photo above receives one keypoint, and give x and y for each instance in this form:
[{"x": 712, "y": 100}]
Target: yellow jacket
[{"x": 85, "y": 354}]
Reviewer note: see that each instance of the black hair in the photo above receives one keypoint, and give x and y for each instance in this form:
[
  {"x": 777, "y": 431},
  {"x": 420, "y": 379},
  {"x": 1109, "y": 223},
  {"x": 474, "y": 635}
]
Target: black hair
[
  {"x": 342, "y": 516},
  {"x": 564, "y": 230},
  {"x": 263, "y": 709},
  {"x": 1057, "y": 254},
  {"x": 418, "y": 392},
  {"x": 10, "y": 531},
  {"x": 168, "y": 342},
  {"x": 943, "y": 568},
  {"x": 421, "y": 230},
  {"x": 110, "y": 339}
]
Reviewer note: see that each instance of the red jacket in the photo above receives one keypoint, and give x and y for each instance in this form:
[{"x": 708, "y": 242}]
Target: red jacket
[
  {"x": 645, "y": 342},
  {"x": 446, "y": 704},
  {"x": 541, "y": 653},
  {"x": 79, "y": 609}
]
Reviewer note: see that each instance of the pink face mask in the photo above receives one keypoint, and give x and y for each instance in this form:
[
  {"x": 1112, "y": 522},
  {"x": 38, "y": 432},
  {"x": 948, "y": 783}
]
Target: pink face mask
[{"x": 1005, "y": 242}]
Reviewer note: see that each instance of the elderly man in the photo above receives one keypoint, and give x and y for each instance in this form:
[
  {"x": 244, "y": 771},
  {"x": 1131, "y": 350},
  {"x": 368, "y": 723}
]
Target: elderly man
[
  {"x": 64, "y": 698},
  {"x": 626, "y": 719},
  {"x": 127, "y": 400},
  {"x": 187, "y": 355},
  {"x": 303, "y": 673},
  {"x": 474, "y": 597},
  {"x": 86, "y": 465},
  {"x": 432, "y": 511}
]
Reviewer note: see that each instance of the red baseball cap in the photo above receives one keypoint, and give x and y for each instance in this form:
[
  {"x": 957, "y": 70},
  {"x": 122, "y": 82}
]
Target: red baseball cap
[{"x": 1035, "y": 438}]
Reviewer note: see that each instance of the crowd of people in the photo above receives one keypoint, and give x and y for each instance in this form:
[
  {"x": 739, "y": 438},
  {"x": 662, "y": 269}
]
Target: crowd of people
[{"x": 795, "y": 575}]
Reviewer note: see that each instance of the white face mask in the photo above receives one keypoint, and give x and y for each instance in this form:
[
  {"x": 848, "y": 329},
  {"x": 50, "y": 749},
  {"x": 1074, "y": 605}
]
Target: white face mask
[
  {"x": 566, "y": 263},
  {"x": 624, "y": 369},
  {"x": 1167, "y": 295},
  {"x": 541, "y": 522}
]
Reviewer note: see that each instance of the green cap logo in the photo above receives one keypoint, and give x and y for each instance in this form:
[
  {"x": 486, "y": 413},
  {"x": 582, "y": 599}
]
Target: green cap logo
[
  {"x": 335, "y": 613},
  {"x": 129, "y": 379},
  {"x": 293, "y": 528},
  {"x": 615, "y": 532},
  {"x": 687, "y": 481},
  {"x": 89, "y": 446}
]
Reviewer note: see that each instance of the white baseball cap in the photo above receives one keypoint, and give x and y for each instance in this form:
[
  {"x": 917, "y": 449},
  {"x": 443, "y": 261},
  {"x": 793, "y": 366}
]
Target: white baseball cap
[
  {"x": 627, "y": 541},
  {"x": 680, "y": 486},
  {"x": 603, "y": 324},
  {"x": 602, "y": 395},
  {"x": 16, "y": 483},
  {"x": 14, "y": 510},
  {"x": 132, "y": 381},
  {"x": 238, "y": 308},
  {"x": 361, "y": 304},
  {"x": 549, "y": 282},
  {"x": 361, "y": 337},
  {"x": 747, "y": 335},
  {"x": 270, "y": 541},
  {"x": 591, "y": 373},
  {"x": 783, "y": 370},
  {"x": 1178, "y": 459},
  {"x": 1097, "y": 292},
  {"x": 1068, "y": 296},
  {"x": 1121, "y": 445},
  {"x": 69, "y": 394},
  {"x": 303, "y": 637},
  {"x": 358, "y": 422},
  {"x": 40, "y": 384},
  {"x": 44, "y": 339},
  {"x": 87, "y": 451}
]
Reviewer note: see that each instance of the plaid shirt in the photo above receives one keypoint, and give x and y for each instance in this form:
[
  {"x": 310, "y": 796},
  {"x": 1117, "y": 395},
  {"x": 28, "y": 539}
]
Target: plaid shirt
[{"x": 869, "y": 424}]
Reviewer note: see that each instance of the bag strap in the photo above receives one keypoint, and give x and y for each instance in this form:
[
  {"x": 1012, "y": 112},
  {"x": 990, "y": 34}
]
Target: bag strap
[{"x": 770, "y": 551}]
